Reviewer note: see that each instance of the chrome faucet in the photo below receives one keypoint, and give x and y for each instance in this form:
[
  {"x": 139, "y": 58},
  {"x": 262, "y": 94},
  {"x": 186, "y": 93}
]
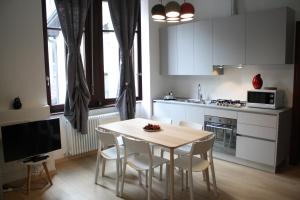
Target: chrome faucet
[{"x": 200, "y": 97}]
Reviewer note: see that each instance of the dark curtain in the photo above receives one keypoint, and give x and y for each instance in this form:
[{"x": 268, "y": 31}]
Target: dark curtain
[
  {"x": 124, "y": 15},
  {"x": 72, "y": 16}
]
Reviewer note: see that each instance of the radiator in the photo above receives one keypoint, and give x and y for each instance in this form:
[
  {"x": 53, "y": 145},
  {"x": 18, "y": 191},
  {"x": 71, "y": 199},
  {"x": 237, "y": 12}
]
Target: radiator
[{"x": 78, "y": 143}]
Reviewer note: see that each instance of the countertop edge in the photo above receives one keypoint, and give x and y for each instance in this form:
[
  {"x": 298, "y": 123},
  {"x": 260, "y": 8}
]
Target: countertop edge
[{"x": 244, "y": 109}]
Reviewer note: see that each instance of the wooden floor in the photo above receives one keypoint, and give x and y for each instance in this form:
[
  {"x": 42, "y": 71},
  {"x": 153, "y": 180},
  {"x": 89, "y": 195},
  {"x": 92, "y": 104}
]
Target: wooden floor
[{"x": 74, "y": 180}]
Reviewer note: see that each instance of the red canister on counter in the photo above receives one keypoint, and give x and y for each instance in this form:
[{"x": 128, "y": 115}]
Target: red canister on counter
[{"x": 257, "y": 81}]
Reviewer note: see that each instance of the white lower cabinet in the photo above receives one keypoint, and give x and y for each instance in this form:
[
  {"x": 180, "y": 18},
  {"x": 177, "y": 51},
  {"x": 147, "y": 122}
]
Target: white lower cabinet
[
  {"x": 261, "y": 138},
  {"x": 256, "y": 150},
  {"x": 257, "y": 131},
  {"x": 168, "y": 110},
  {"x": 194, "y": 114},
  {"x": 258, "y": 119},
  {"x": 178, "y": 112}
]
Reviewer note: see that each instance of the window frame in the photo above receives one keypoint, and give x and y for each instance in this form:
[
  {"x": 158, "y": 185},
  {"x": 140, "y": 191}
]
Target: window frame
[{"x": 98, "y": 97}]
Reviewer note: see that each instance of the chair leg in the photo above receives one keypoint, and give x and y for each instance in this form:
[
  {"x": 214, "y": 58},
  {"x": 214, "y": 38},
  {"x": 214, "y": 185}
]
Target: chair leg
[
  {"x": 181, "y": 174},
  {"x": 186, "y": 180},
  {"x": 167, "y": 182},
  {"x": 118, "y": 174},
  {"x": 149, "y": 183},
  {"x": 28, "y": 178},
  {"x": 191, "y": 184},
  {"x": 140, "y": 177},
  {"x": 97, "y": 167},
  {"x": 204, "y": 176},
  {"x": 147, "y": 177},
  {"x": 152, "y": 151},
  {"x": 120, "y": 167},
  {"x": 213, "y": 177},
  {"x": 123, "y": 177},
  {"x": 161, "y": 166},
  {"x": 207, "y": 179},
  {"x": 204, "y": 156},
  {"x": 103, "y": 166}
]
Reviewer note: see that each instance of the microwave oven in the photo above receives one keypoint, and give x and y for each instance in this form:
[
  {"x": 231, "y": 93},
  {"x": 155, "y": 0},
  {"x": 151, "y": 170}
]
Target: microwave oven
[{"x": 271, "y": 99}]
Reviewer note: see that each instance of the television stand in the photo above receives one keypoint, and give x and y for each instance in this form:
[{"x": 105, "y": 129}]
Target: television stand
[
  {"x": 35, "y": 161},
  {"x": 35, "y": 158}
]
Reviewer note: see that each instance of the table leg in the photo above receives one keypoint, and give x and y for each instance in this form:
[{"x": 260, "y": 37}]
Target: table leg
[
  {"x": 171, "y": 173},
  {"x": 28, "y": 178},
  {"x": 47, "y": 173}
]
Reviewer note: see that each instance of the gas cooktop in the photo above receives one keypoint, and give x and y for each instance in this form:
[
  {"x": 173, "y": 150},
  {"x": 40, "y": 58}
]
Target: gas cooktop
[{"x": 228, "y": 103}]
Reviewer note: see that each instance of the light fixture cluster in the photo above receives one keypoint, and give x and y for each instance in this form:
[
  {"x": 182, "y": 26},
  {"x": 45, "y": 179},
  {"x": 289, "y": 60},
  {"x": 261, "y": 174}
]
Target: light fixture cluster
[{"x": 173, "y": 12}]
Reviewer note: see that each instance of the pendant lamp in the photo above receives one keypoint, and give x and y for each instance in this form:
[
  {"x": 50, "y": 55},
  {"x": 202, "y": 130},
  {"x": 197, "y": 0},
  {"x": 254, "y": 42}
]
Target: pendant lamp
[
  {"x": 173, "y": 12},
  {"x": 172, "y": 9},
  {"x": 158, "y": 12},
  {"x": 173, "y": 19}
]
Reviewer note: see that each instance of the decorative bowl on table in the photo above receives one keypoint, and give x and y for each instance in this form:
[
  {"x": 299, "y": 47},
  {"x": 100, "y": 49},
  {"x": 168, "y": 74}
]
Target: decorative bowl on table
[{"x": 151, "y": 127}]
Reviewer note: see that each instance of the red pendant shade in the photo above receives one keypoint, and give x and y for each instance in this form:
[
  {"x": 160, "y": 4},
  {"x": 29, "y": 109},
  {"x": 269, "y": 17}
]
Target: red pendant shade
[{"x": 187, "y": 10}]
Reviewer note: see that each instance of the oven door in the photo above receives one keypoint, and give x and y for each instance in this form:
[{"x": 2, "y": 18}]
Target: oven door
[{"x": 225, "y": 137}]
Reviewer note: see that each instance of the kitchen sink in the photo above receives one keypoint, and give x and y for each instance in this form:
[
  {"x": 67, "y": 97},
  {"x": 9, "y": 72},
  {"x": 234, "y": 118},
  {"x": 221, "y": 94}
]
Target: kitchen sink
[{"x": 192, "y": 101}]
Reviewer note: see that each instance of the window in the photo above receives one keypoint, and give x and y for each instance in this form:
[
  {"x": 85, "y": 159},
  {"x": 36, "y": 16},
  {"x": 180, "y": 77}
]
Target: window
[{"x": 100, "y": 56}]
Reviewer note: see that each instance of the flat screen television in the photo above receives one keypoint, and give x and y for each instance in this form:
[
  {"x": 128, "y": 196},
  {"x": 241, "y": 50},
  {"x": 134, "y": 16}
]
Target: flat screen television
[{"x": 30, "y": 139}]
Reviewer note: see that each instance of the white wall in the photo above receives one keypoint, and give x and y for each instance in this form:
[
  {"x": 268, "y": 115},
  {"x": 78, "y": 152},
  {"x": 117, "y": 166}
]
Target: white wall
[
  {"x": 22, "y": 71},
  {"x": 235, "y": 82},
  {"x": 244, "y": 6}
]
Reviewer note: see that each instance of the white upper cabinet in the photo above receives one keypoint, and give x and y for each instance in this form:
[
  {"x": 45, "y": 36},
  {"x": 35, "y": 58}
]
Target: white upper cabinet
[
  {"x": 229, "y": 40},
  {"x": 259, "y": 38},
  {"x": 185, "y": 44},
  {"x": 186, "y": 49},
  {"x": 270, "y": 37},
  {"x": 203, "y": 47},
  {"x": 168, "y": 51}
]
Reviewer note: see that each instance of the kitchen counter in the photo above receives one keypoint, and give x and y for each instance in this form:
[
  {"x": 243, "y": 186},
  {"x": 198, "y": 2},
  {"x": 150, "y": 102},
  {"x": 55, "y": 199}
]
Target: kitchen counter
[
  {"x": 241, "y": 109},
  {"x": 262, "y": 135}
]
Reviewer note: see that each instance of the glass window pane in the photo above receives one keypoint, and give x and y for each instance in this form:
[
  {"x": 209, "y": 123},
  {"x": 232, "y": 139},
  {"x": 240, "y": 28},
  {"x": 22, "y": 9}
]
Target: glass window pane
[
  {"x": 52, "y": 17},
  {"x": 57, "y": 69},
  {"x": 106, "y": 19},
  {"x": 82, "y": 52},
  {"x": 136, "y": 64},
  {"x": 111, "y": 64},
  {"x": 57, "y": 66}
]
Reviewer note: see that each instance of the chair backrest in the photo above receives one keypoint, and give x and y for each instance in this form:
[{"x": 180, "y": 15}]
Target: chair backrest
[
  {"x": 133, "y": 146},
  {"x": 191, "y": 125},
  {"x": 203, "y": 146},
  {"x": 162, "y": 119},
  {"x": 106, "y": 138}
]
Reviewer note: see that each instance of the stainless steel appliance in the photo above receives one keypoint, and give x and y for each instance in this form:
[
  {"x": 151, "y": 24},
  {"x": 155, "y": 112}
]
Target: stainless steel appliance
[
  {"x": 272, "y": 99},
  {"x": 225, "y": 130},
  {"x": 228, "y": 103}
]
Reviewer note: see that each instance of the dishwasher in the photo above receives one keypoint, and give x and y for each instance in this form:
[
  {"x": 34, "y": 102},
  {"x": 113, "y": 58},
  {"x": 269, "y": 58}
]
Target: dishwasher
[{"x": 225, "y": 131}]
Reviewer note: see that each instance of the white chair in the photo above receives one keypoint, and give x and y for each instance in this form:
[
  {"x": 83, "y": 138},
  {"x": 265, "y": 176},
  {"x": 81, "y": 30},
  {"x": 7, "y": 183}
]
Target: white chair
[
  {"x": 153, "y": 146},
  {"x": 191, "y": 163},
  {"x": 142, "y": 159},
  {"x": 162, "y": 119},
  {"x": 109, "y": 149},
  {"x": 183, "y": 149}
]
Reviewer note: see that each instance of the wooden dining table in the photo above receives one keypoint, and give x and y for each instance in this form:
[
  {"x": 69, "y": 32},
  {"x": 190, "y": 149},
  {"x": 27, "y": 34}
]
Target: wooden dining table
[{"x": 169, "y": 136}]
